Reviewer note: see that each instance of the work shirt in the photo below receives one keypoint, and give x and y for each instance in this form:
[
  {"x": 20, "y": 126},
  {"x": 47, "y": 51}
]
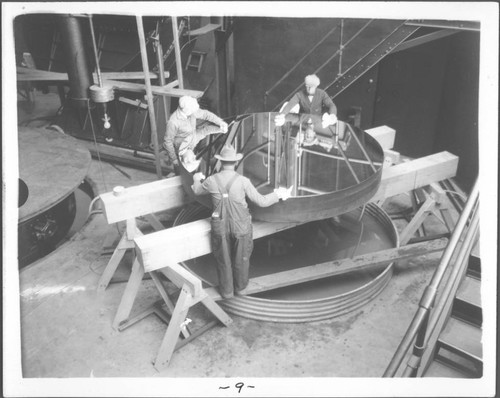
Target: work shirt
[
  {"x": 319, "y": 101},
  {"x": 242, "y": 188},
  {"x": 180, "y": 127}
]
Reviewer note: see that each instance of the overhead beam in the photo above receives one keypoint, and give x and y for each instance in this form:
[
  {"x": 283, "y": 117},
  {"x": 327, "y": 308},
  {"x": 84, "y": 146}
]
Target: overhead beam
[
  {"x": 437, "y": 23},
  {"x": 25, "y": 74},
  {"x": 440, "y": 34},
  {"x": 363, "y": 263},
  {"x": 158, "y": 90}
]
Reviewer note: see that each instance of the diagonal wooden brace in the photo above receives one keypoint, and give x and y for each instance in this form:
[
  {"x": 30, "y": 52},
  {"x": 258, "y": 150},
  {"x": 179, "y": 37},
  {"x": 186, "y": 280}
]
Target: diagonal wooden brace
[
  {"x": 185, "y": 301},
  {"x": 417, "y": 220},
  {"x": 126, "y": 242}
]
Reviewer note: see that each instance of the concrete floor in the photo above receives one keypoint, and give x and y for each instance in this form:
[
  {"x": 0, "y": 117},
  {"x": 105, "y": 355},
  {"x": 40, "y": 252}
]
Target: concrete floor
[{"x": 66, "y": 325}]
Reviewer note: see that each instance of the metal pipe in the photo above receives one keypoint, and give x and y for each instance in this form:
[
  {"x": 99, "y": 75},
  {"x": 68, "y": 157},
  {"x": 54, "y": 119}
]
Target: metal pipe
[
  {"x": 361, "y": 146},
  {"x": 337, "y": 175},
  {"x": 77, "y": 66},
  {"x": 425, "y": 330},
  {"x": 277, "y": 157},
  {"x": 432, "y": 287},
  {"x": 464, "y": 218},
  {"x": 94, "y": 47},
  {"x": 348, "y": 164},
  {"x": 268, "y": 148},
  {"x": 161, "y": 71},
  {"x": 178, "y": 59},
  {"x": 461, "y": 257},
  {"x": 418, "y": 348},
  {"x": 341, "y": 47},
  {"x": 149, "y": 94},
  {"x": 329, "y": 155}
]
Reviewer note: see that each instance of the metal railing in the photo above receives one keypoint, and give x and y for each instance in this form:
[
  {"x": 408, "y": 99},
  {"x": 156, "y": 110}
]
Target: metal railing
[
  {"x": 299, "y": 62},
  {"x": 424, "y": 323},
  {"x": 339, "y": 52}
]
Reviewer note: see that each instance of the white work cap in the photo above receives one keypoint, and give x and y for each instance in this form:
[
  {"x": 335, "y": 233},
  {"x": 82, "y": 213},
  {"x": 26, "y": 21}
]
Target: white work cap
[
  {"x": 187, "y": 103},
  {"x": 312, "y": 80}
]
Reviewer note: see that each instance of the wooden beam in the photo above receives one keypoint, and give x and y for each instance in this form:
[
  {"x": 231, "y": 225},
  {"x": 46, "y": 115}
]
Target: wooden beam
[
  {"x": 144, "y": 199},
  {"x": 416, "y": 221},
  {"x": 25, "y": 74},
  {"x": 175, "y": 244},
  {"x": 158, "y": 90},
  {"x": 407, "y": 176},
  {"x": 182, "y": 278},
  {"x": 384, "y": 135},
  {"x": 364, "y": 262},
  {"x": 204, "y": 29}
]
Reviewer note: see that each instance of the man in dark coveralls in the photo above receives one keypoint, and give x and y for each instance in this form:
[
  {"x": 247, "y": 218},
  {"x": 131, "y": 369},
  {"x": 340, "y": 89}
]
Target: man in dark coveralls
[
  {"x": 312, "y": 100},
  {"x": 231, "y": 235}
]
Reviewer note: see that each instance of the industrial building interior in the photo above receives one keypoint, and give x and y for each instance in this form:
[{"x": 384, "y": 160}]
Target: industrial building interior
[{"x": 373, "y": 268}]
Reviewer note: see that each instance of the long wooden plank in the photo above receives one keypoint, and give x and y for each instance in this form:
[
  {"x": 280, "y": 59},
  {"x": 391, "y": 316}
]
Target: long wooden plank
[
  {"x": 167, "y": 195},
  {"x": 26, "y": 74},
  {"x": 158, "y": 90},
  {"x": 365, "y": 262},
  {"x": 158, "y": 196},
  {"x": 176, "y": 243},
  {"x": 144, "y": 199}
]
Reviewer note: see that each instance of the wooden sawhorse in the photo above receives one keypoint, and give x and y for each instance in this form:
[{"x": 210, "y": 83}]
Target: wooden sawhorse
[{"x": 134, "y": 202}]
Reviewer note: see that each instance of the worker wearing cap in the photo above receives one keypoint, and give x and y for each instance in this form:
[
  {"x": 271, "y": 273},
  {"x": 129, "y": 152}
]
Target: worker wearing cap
[
  {"x": 181, "y": 127},
  {"x": 231, "y": 235},
  {"x": 312, "y": 100}
]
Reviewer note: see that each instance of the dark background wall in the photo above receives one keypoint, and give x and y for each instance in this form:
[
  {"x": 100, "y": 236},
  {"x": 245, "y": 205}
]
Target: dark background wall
[{"x": 427, "y": 93}]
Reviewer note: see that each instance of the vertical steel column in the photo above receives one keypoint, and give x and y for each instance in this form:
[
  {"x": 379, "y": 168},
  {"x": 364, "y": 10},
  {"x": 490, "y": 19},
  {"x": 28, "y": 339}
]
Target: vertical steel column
[
  {"x": 221, "y": 72},
  {"x": 341, "y": 46},
  {"x": 161, "y": 71},
  {"x": 178, "y": 59},
  {"x": 77, "y": 66},
  {"x": 149, "y": 94},
  {"x": 277, "y": 152},
  {"x": 94, "y": 47}
]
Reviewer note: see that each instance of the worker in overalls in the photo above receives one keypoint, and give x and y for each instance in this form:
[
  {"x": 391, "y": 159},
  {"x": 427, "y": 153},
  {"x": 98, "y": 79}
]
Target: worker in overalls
[{"x": 231, "y": 235}]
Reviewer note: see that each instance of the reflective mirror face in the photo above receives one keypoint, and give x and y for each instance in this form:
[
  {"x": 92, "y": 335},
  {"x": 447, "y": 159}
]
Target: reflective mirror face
[{"x": 310, "y": 134}]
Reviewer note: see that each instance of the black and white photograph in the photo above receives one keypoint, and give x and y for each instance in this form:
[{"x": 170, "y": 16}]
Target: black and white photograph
[{"x": 231, "y": 199}]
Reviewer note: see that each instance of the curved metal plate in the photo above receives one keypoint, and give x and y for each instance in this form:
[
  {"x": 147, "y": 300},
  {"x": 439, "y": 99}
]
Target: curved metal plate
[
  {"x": 315, "y": 300},
  {"x": 325, "y": 183}
]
